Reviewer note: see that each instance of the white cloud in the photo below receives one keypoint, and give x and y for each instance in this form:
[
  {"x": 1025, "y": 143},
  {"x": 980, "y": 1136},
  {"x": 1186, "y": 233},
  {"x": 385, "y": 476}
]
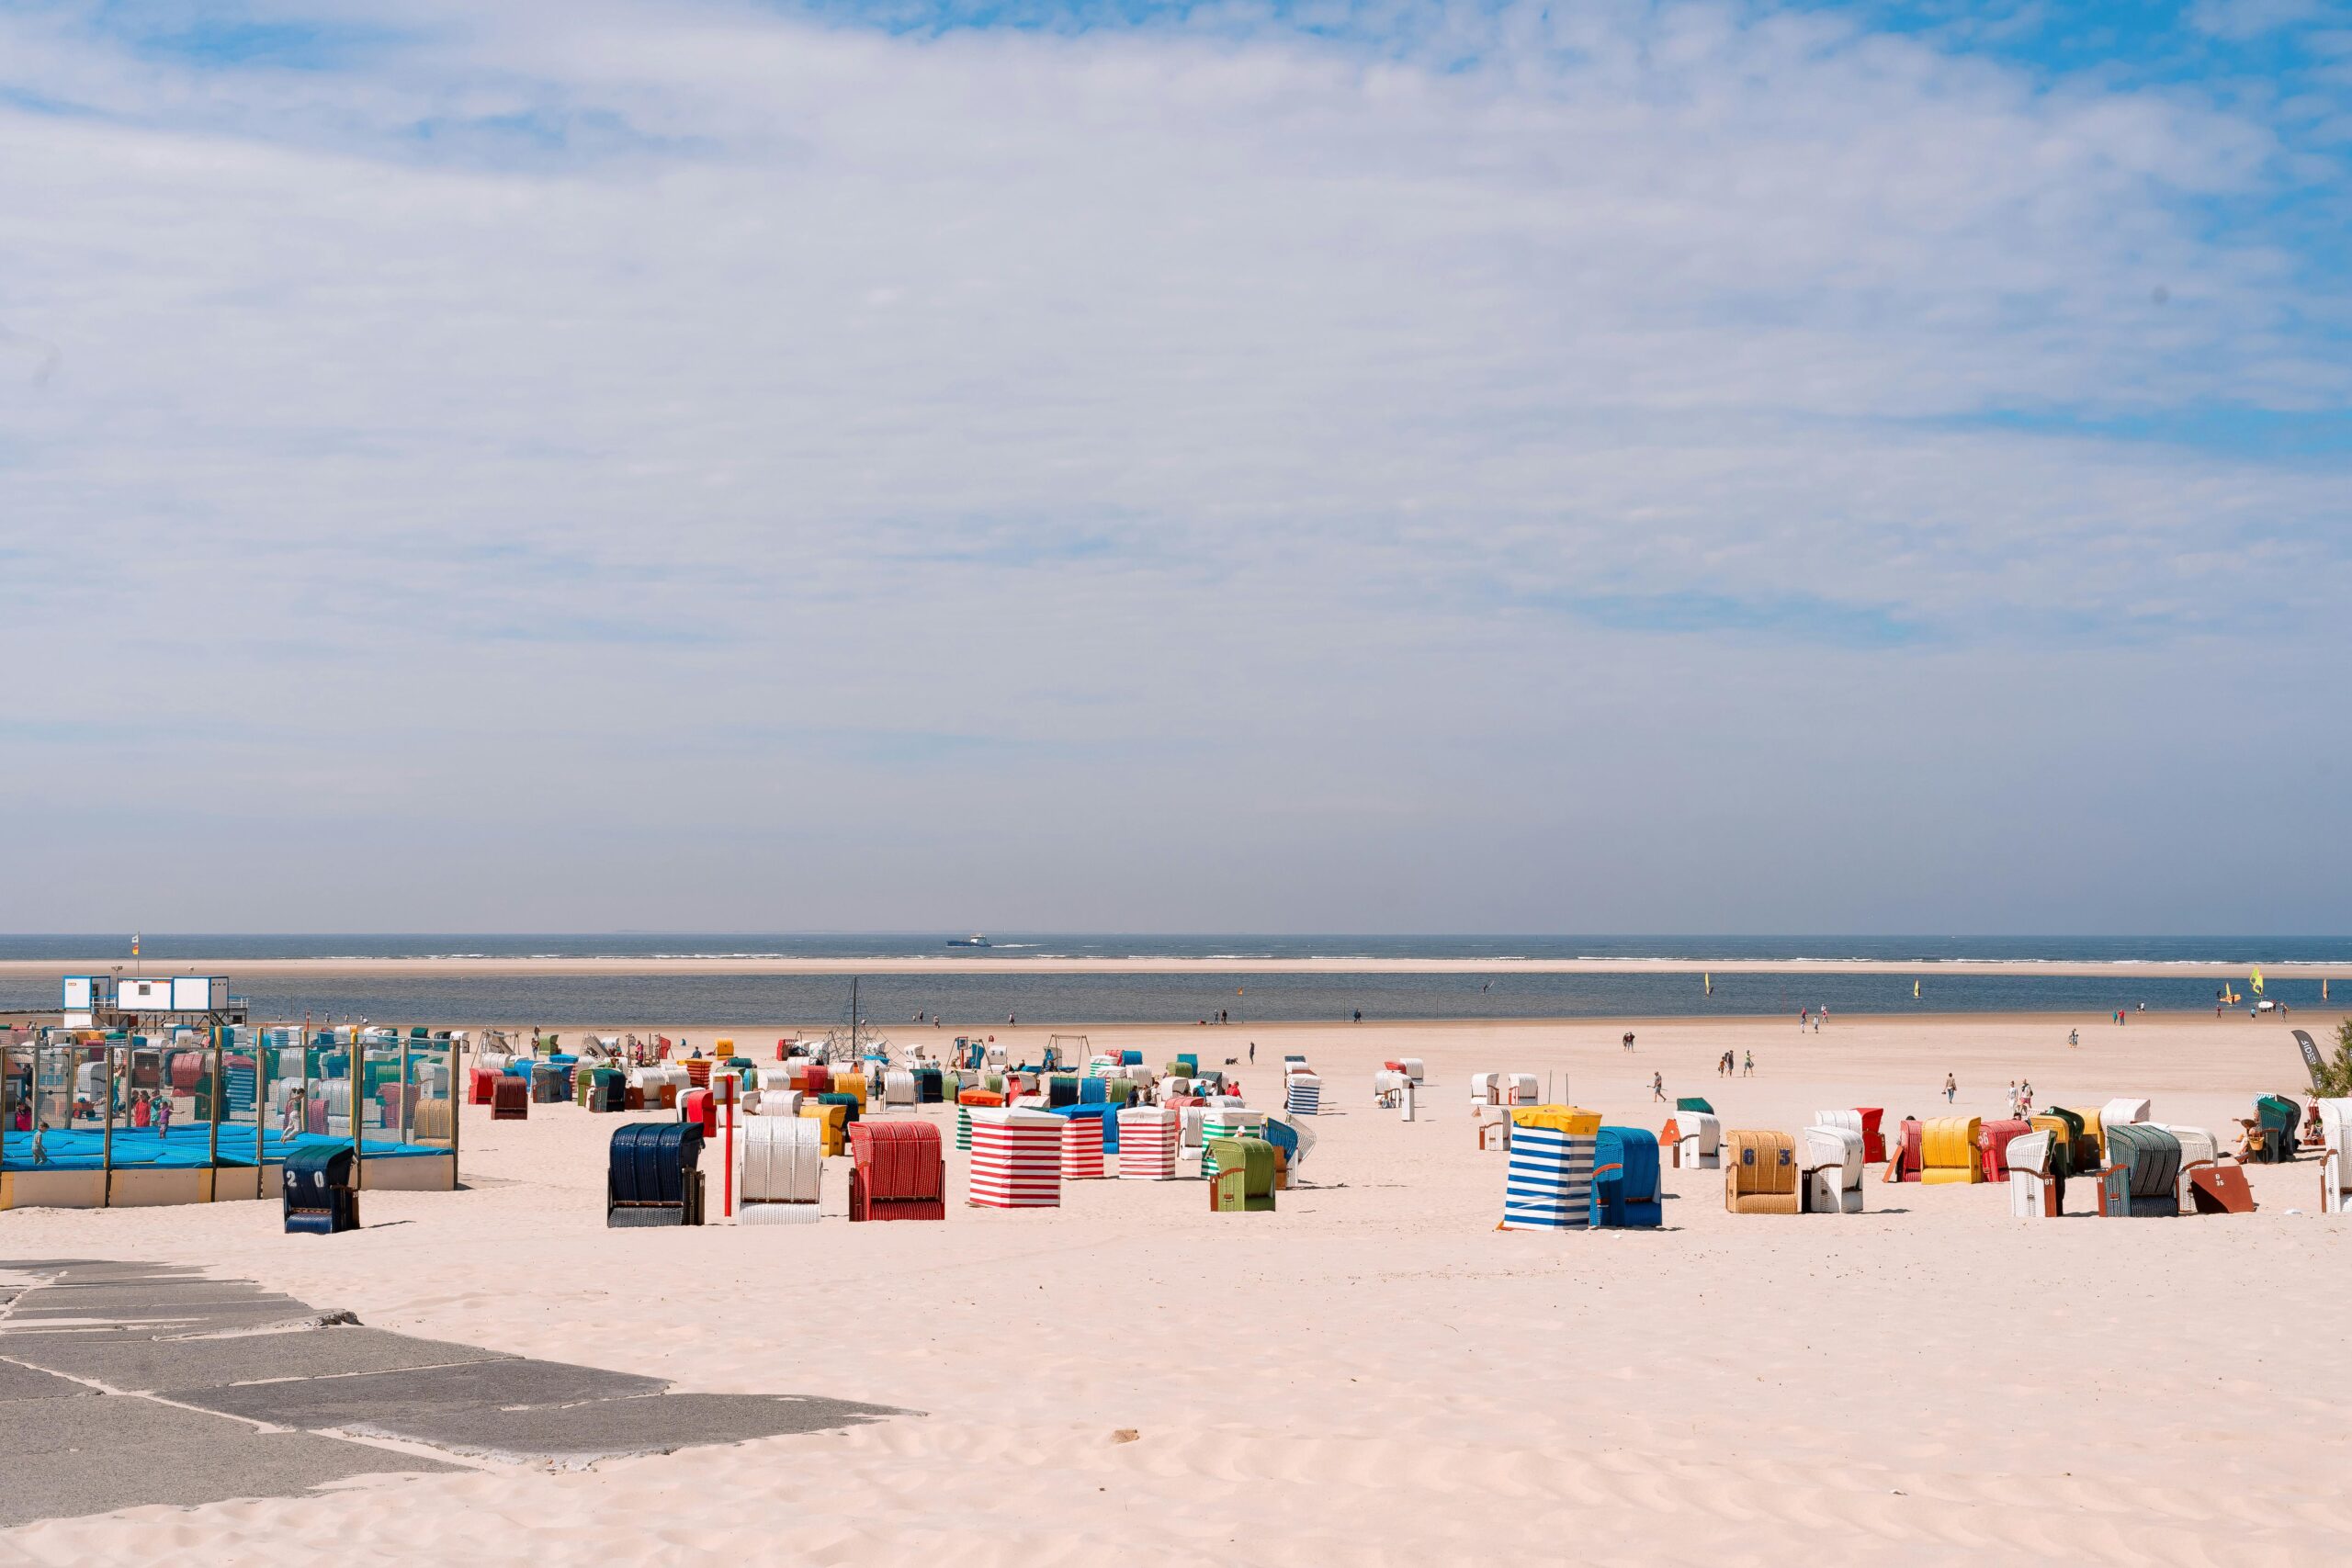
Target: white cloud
[{"x": 1037, "y": 454}]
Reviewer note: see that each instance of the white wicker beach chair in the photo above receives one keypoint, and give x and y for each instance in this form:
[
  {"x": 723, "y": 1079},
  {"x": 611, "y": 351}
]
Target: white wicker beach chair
[{"x": 1833, "y": 1170}]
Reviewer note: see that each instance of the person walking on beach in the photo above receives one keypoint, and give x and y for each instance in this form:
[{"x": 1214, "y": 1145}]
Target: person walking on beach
[
  {"x": 2073, "y": 1038},
  {"x": 162, "y": 1117},
  {"x": 1629, "y": 1039},
  {"x": 1253, "y": 1052},
  {"x": 1751, "y": 1071},
  {"x": 1658, "y": 1087},
  {"x": 1804, "y": 1017},
  {"x": 2025, "y": 1097},
  {"x": 1951, "y": 1088}
]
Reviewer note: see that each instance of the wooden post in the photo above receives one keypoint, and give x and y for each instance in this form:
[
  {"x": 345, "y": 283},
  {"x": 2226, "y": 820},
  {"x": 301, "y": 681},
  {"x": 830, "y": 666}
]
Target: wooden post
[
  {"x": 106, "y": 1142},
  {"x": 457, "y": 1108},
  {"x": 402, "y": 1097},
  {"x": 357, "y": 1067},
  {"x": 220, "y": 1095}
]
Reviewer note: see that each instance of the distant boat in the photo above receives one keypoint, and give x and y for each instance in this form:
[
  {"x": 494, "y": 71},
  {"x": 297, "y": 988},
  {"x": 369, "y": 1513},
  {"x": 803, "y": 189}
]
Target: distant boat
[{"x": 975, "y": 939}]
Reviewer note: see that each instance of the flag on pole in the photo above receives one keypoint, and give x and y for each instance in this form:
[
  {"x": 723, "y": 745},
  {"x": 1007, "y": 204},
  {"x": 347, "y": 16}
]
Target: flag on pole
[{"x": 134, "y": 944}]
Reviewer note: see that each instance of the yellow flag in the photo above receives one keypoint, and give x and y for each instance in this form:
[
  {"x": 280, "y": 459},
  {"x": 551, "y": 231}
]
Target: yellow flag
[{"x": 2257, "y": 982}]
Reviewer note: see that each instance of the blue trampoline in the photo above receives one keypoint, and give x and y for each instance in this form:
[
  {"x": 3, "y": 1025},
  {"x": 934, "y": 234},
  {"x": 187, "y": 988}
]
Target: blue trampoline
[{"x": 182, "y": 1148}]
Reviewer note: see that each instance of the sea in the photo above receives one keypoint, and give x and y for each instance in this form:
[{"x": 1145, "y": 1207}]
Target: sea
[{"x": 949, "y": 1000}]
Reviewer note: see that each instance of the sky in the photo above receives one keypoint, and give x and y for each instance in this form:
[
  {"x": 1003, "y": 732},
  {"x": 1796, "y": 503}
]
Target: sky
[{"x": 1114, "y": 464}]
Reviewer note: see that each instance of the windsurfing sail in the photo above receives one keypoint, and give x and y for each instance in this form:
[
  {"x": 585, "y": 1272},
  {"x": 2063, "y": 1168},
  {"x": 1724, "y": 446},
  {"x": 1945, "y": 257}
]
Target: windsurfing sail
[
  {"x": 1914, "y": 990},
  {"x": 2257, "y": 982},
  {"x": 1710, "y": 979}
]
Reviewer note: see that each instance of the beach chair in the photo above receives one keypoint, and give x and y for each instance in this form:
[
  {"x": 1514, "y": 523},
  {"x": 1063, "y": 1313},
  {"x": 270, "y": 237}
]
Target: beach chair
[
  {"x": 1833, "y": 1169},
  {"x": 510, "y": 1101},
  {"x": 2089, "y": 1152},
  {"x": 2276, "y": 1119},
  {"x": 2116, "y": 1110},
  {"x": 1692, "y": 1103},
  {"x": 2141, "y": 1176},
  {"x": 1486, "y": 1088},
  {"x": 1492, "y": 1123},
  {"x": 1412, "y": 1068},
  {"x": 1303, "y": 1094},
  {"x": 1851, "y": 1120},
  {"x": 1148, "y": 1138},
  {"x": 784, "y": 1171},
  {"x": 653, "y": 1176},
  {"x": 2036, "y": 1190},
  {"x": 1949, "y": 1151},
  {"x": 1016, "y": 1160},
  {"x": 1243, "y": 1182},
  {"x": 2218, "y": 1186},
  {"x": 1699, "y": 1138},
  {"x": 2199, "y": 1148},
  {"x": 1993, "y": 1141},
  {"x": 897, "y": 1171},
  {"x": 898, "y": 1088},
  {"x": 319, "y": 1197},
  {"x": 1873, "y": 1140},
  {"x": 1522, "y": 1089},
  {"x": 1761, "y": 1173},
  {"x": 1387, "y": 1084},
  {"x": 2069, "y": 1150},
  {"x": 1547, "y": 1185},
  {"x": 2335, "y": 1159},
  {"x": 1626, "y": 1190},
  {"x": 481, "y": 1085},
  {"x": 1226, "y": 1122},
  {"x": 832, "y": 1118},
  {"x": 1283, "y": 1136},
  {"x": 779, "y": 1102}
]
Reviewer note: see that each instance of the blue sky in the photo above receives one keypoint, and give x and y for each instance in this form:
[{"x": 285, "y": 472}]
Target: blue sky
[{"x": 1613, "y": 467}]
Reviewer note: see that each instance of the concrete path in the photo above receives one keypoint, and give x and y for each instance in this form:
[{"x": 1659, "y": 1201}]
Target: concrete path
[{"x": 132, "y": 1383}]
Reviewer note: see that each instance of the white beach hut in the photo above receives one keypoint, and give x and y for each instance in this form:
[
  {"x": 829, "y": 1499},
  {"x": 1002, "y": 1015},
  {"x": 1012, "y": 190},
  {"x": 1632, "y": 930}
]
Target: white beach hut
[{"x": 1148, "y": 1135}]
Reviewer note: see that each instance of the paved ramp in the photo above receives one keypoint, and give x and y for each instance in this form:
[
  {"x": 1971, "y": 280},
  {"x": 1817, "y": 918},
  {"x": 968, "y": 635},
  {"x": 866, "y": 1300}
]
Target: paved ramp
[{"x": 131, "y": 1383}]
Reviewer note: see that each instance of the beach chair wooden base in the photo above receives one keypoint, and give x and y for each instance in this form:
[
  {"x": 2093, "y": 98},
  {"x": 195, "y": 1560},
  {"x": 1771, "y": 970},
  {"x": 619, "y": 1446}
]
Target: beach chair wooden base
[{"x": 2219, "y": 1189}]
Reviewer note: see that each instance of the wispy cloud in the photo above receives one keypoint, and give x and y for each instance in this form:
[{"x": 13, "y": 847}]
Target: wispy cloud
[{"x": 1220, "y": 405}]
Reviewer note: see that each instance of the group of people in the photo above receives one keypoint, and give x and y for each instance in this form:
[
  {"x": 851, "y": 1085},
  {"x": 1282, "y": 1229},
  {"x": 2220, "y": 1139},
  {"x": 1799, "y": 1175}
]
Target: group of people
[{"x": 1746, "y": 1068}]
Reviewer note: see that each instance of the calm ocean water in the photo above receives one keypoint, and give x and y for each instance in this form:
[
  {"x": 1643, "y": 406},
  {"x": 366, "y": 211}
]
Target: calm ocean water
[{"x": 977, "y": 1001}]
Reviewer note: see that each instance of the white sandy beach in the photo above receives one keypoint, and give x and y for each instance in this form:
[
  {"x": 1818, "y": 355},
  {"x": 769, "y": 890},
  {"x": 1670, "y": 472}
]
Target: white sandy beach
[{"x": 1373, "y": 1374}]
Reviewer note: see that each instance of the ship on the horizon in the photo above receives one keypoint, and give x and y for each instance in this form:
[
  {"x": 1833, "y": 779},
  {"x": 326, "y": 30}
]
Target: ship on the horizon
[{"x": 975, "y": 939}]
